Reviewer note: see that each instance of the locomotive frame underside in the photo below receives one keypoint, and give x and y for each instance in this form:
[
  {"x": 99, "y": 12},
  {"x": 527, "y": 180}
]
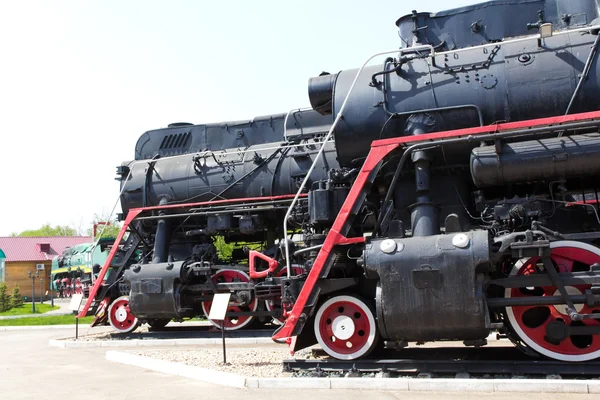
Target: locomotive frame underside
[{"x": 539, "y": 286}]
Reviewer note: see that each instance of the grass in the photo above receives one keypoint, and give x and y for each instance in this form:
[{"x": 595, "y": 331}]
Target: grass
[
  {"x": 26, "y": 309},
  {"x": 45, "y": 320}
]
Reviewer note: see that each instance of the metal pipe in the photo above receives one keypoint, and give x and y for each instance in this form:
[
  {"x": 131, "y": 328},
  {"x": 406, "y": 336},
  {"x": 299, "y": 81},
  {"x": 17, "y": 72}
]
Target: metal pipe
[
  {"x": 489, "y": 136},
  {"x": 294, "y": 110},
  {"x": 585, "y": 73},
  {"x": 327, "y": 137},
  {"x": 307, "y": 249}
]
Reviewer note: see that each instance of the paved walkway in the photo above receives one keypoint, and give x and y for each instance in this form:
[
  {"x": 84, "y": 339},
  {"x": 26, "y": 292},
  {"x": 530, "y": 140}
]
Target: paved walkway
[
  {"x": 63, "y": 309},
  {"x": 30, "y": 369}
]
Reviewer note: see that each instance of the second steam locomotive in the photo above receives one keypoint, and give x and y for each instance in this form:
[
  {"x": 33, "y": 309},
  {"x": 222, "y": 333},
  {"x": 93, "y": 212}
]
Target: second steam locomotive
[{"x": 446, "y": 193}]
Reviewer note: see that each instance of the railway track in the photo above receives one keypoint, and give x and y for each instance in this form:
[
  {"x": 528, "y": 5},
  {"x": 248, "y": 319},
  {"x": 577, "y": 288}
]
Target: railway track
[
  {"x": 449, "y": 362},
  {"x": 181, "y": 332}
]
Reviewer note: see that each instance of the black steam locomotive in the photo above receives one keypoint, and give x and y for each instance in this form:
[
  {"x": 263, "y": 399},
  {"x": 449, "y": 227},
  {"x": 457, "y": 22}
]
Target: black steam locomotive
[{"x": 447, "y": 193}]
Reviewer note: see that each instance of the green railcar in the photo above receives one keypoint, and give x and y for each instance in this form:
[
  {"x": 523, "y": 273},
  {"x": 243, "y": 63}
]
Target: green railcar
[{"x": 72, "y": 270}]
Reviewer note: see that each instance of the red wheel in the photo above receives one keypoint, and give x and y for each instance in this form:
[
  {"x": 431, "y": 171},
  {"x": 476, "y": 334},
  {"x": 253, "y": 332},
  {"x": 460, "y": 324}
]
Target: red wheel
[
  {"x": 120, "y": 316},
  {"x": 232, "y": 323},
  {"x": 78, "y": 286},
  {"x": 530, "y": 323},
  {"x": 345, "y": 328},
  {"x": 271, "y": 305}
]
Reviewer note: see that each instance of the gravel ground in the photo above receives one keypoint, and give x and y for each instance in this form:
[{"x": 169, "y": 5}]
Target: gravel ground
[{"x": 252, "y": 362}]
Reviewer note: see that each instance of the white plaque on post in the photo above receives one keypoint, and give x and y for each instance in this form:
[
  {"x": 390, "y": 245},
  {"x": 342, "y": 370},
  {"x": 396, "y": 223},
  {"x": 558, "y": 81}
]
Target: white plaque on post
[
  {"x": 75, "y": 302},
  {"x": 219, "y": 306}
]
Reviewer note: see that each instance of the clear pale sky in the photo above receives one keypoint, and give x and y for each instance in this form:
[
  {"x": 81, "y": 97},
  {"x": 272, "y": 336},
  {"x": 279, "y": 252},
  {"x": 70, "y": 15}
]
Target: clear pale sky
[{"x": 80, "y": 81}]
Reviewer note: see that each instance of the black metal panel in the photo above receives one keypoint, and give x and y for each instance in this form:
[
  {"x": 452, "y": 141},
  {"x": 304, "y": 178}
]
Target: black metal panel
[
  {"x": 429, "y": 287},
  {"x": 492, "y": 21},
  {"x": 236, "y": 174},
  {"x": 506, "y": 82}
]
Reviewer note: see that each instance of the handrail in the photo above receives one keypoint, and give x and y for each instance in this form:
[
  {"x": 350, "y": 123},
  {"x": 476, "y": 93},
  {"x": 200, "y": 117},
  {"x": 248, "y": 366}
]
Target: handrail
[{"x": 328, "y": 136}]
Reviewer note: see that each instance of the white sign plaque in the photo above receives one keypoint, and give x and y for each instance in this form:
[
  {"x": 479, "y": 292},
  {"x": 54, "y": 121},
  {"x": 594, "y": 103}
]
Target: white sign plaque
[
  {"x": 75, "y": 302},
  {"x": 219, "y": 306}
]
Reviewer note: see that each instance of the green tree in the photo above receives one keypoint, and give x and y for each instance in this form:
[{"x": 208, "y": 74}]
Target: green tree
[
  {"x": 107, "y": 231},
  {"x": 48, "y": 230},
  {"x": 16, "y": 299},
  {"x": 4, "y": 298}
]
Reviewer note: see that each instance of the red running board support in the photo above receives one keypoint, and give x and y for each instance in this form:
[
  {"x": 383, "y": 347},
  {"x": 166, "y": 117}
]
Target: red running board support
[
  {"x": 335, "y": 237},
  {"x": 100, "y": 279},
  {"x": 379, "y": 149}
]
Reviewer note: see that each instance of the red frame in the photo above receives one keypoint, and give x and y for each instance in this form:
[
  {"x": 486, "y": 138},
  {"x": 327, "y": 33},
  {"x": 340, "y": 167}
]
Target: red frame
[
  {"x": 380, "y": 149},
  {"x": 273, "y": 264},
  {"x": 133, "y": 213}
]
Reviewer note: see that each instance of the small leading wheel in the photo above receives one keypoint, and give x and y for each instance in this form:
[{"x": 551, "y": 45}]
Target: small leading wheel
[
  {"x": 345, "y": 328},
  {"x": 542, "y": 328},
  {"x": 233, "y": 323},
  {"x": 120, "y": 316}
]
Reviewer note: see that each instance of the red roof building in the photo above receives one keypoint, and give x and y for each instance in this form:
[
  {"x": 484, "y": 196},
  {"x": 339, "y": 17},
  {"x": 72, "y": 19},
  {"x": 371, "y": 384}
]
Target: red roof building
[
  {"x": 23, "y": 254},
  {"x": 38, "y": 248}
]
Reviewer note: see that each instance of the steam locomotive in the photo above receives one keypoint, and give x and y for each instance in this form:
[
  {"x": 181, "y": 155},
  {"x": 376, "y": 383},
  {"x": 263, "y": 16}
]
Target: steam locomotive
[{"x": 445, "y": 194}]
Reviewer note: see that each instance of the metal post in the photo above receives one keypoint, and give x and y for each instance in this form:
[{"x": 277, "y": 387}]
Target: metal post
[
  {"x": 223, "y": 337},
  {"x": 33, "y": 276},
  {"x": 33, "y": 294},
  {"x": 41, "y": 290},
  {"x": 51, "y": 292},
  {"x": 76, "y": 328}
]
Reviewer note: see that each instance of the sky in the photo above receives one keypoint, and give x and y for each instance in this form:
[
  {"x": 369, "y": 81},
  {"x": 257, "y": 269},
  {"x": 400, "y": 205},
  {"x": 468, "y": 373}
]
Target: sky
[{"x": 81, "y": 81}]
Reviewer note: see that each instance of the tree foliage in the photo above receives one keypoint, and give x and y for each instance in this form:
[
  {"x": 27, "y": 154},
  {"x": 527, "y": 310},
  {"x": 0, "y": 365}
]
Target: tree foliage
[
  {"x": 5, "y": 303},
  {"x": 107, "y": 231},
  {"x": 48, "y": 230},
  {"x": 16, "y": 300}
]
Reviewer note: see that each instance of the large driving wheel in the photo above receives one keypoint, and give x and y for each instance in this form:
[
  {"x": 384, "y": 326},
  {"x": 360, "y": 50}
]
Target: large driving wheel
[
  {"x": 232, "y": 323},
  {"x": 532, "y": 324},
  {"x": 345, "y": 328},
  {"x": 120, "y": 316}
]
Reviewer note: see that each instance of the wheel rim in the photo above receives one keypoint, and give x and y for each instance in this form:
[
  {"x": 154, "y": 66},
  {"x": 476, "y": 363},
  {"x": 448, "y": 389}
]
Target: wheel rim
[
  {"x": 120, "y": 316},
  {"x": 530, "y": 322},
  {"x": 345, "y": 328},
  {"x": 231, "y": 323},
  {"x": 272, "y": 305}
]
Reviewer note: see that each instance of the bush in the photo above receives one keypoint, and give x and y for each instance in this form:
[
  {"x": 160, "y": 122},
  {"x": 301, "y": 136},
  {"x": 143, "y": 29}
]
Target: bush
[
  {"x": 4, "y": 298},
  {"x": 16, "y": 299}
]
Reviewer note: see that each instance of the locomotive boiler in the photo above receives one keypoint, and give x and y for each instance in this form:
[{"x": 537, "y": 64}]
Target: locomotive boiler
[{"x": 457, "y": 198}]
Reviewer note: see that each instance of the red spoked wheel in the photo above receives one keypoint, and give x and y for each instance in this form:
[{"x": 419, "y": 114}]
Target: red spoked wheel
[
  {"x": 120, "y": 316},
  {"x": 78, "y": 286},
  {"x": 67, "y": 287},
  {"x": 232, "y": 323},
  {"x": 272, "y": 305},
  {"x": 531, "y": 323},
  {"x": 345, "y": 328}
]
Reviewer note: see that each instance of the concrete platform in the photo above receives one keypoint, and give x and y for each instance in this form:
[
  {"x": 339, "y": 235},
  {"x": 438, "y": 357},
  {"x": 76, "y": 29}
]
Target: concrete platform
[
  {"x": 377, "y": 384},
  {"x": 30, "y": 369}
]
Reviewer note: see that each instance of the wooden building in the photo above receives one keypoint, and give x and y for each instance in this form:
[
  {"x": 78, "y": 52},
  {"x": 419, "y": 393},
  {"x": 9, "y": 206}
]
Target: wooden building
[{"x": 23, "y": 255}]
